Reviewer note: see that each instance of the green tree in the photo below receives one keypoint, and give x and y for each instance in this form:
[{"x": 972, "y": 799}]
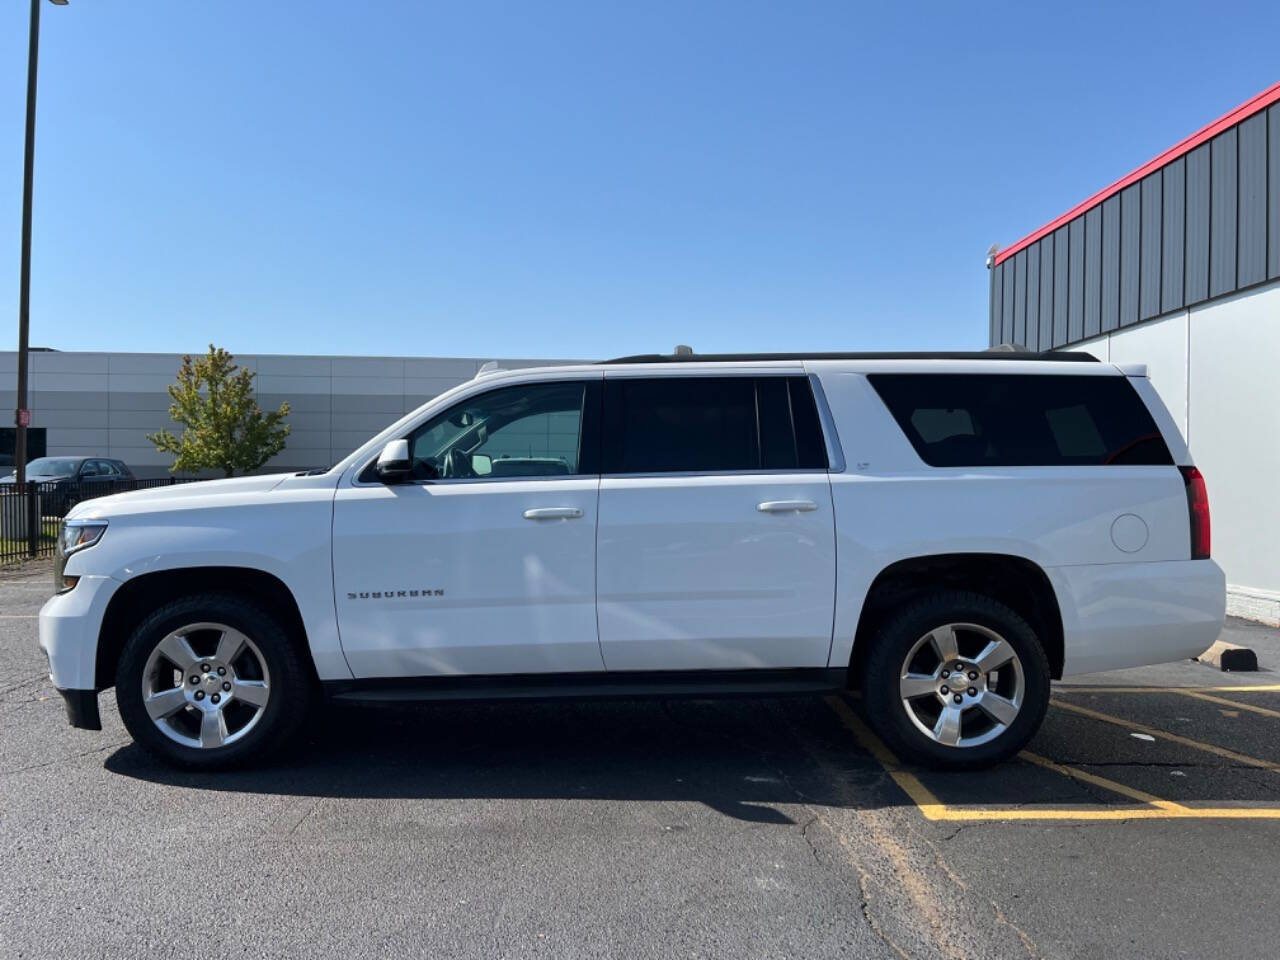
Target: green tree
[{"x": 224, "y": 429}]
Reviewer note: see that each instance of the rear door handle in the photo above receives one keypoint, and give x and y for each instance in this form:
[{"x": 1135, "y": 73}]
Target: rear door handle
[
  {"x": 786, "y": 506},
  {"x": 553, "y": 513}
]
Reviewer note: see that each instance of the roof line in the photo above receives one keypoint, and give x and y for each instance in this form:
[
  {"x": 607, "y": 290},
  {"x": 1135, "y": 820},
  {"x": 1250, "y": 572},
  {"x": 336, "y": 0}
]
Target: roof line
[
  {"x": 1251, "y": 106},
  {"x": 1060, "y": 355}
]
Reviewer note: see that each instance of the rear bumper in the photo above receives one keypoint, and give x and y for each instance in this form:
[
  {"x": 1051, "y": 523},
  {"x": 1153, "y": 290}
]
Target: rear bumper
[{"x": 1117, "y": 615}]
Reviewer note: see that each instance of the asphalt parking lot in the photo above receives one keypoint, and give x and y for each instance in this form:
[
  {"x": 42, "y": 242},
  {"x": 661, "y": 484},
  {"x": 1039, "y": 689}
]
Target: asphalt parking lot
[{"x": 1143, "y": 821}]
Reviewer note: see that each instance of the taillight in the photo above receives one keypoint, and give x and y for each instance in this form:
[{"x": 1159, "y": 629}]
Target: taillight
[{"x": 1198, "y": 508}]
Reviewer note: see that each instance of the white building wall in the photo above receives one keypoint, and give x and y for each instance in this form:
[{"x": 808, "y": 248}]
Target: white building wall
[{"x": 1217, "y": 368}]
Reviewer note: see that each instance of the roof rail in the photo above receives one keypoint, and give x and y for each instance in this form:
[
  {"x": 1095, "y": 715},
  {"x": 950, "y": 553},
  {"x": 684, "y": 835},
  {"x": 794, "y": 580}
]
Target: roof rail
[{"x": 1002, "y": 352}]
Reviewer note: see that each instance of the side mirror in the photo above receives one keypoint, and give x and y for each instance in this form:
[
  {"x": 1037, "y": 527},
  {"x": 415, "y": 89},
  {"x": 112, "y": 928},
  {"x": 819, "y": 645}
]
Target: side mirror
[{"x": 393, "y": 463}]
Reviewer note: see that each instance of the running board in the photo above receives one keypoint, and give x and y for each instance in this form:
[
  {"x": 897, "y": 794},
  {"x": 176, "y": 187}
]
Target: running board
[{"x": 592, "y": 686}]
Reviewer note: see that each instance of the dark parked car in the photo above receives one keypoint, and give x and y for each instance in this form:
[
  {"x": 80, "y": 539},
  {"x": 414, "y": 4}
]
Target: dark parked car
[{"x": 65, "y": 481}]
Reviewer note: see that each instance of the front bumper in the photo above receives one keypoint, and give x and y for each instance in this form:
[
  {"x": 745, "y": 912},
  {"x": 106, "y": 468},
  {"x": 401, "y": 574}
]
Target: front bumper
[{"x": 69, "y": 626}]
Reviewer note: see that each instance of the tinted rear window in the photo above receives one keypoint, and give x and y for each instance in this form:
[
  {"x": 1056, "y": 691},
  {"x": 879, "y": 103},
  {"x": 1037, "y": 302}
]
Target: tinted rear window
[{"x": 976, "y": 420}]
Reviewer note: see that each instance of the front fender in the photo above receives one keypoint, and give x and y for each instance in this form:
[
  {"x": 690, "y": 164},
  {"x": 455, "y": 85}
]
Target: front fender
[{"x": 288, "y": 537}]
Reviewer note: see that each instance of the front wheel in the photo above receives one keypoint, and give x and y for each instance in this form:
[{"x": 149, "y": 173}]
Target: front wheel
[
  {"x": 212, "y": 681},
  {"x": 956, "y": 680}
]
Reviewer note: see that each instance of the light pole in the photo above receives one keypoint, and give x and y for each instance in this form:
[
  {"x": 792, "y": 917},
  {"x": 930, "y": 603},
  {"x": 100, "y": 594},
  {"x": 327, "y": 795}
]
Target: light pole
[{"x": 22, "y": 416}]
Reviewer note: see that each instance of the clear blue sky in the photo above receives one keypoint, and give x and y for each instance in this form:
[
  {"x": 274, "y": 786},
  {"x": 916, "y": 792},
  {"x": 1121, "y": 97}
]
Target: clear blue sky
[{"x": 574, "y": 179}]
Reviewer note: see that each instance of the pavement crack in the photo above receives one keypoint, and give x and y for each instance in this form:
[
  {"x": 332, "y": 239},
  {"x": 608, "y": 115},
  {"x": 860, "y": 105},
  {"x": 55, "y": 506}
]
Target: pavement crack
[
  {"x": 308, "y": 812},
  {"x": 1001, "y": 919},
  {"x": 804, "y": 832},
  {"x": 70, "y": 757},
  {"x": 23, "y": 683}
]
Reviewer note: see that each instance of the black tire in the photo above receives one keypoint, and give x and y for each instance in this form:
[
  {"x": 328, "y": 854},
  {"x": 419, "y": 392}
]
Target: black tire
[
  {"x": 291, "y": 689},
  {"x": 895, "y": 638}
]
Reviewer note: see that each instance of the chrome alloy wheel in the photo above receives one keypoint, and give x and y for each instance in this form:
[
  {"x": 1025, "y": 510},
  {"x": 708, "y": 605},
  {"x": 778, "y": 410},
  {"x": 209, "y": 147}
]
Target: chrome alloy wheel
[
  {"x": 205, "y": 685},
  {"x": 962, "y": 685}
]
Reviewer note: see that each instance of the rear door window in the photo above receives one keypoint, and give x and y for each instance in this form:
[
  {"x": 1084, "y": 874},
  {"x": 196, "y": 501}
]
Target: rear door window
[
  {"x": 711, "y": 425},
  {"x": 973, "y": 420}
]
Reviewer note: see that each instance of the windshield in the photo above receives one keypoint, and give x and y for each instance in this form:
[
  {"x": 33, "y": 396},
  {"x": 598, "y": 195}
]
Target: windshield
[{"x": 53, "y": 467}]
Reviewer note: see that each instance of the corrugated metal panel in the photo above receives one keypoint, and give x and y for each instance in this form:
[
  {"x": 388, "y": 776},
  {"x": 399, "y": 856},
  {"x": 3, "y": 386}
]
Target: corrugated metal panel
[
  {"x": 1060, "y": 287},
  {"x": 1110, "y": 263},
  {"x": 1045, "y": 340},
  {"x": 1130, "y": 252},
  {"x": 1093, "y": 272},
  {"x": 1020, "y": 297},
  {"x": 1033, "y": 296},
  {"x": 1006, "y": 305},
  {"x": 1222, "y": 214},
  {"x": 997, "y": 297},
  {"x": 1203, "y": 225},
  {"x": 1273, "y": 191},
  {"x": 1149, "y": 261},
  {"x": 1251, "y": 258},
  {"x": 1075, "y": 279},
  {"x": 1173, "y": 231},
  {"x": 1197, "y": 244}
]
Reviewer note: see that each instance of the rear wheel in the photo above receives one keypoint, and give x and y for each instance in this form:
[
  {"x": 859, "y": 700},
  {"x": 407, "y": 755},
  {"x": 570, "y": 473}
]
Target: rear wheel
[
  {"x": 212, "y": 681},
  {"x": 956, "y": 680}
]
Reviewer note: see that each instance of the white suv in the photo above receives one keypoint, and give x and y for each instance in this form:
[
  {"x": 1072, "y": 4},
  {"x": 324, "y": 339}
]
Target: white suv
[{"x": 947, "y": 532}]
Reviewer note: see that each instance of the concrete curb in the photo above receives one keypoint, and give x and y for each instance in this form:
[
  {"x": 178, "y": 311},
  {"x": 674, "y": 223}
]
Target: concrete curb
[{"x": 1230, "y": 658}]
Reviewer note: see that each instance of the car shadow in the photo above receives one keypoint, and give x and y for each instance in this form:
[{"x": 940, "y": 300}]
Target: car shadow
[{"x": 744, "y": 758}]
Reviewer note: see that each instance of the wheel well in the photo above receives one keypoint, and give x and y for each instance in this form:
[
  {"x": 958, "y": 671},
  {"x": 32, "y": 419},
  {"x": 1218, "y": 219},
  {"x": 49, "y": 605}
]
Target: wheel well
[
  {"x": 139, "y": 596},
  {"x": 1016, "y": 582}
]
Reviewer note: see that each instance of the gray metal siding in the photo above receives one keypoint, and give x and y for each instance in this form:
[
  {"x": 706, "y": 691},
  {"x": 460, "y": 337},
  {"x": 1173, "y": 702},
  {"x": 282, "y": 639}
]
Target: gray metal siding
[
  {"x": 1173, "y": 224},
  {"x": 1006, "y": 306},
  {"x": 1020, "y": 297},
  {"x": 1093, "y": 272},
  {"x": 1273, "y": 191},
  {"x": 1111, "y": 263},
  {"x": 1197, "y": 242},
  {"x": 1251, "y": 258},
  {"x": 994, "y": 301},
  {"x": 1202, "y": 226},
  {"x": 1130, "y": 236},
  {"x": 1033, "y": 296},
  {"x": 1075, "y": 280},
  {"x": 997, "y": 297},
  {"x": 1222, "y": 214},
  {"x": 1061, "y": 251},
  {"x": 1046, "y": 292},
  {"x": 1149, "y": 259}
]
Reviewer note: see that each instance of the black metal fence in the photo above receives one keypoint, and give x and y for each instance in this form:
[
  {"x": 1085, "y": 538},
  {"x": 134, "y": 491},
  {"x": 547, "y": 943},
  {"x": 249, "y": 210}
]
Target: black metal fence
[{"x": 30, "y": 512}]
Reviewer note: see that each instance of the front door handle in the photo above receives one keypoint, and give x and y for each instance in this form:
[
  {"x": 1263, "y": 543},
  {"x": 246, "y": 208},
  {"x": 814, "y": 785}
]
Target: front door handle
[
  {"x": 553, "y": 513},
  {"x": 786, "y": 506}
]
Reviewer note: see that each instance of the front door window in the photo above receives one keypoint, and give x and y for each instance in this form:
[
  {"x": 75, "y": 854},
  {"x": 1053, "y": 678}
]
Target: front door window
[{"x": 532, "y": 430}]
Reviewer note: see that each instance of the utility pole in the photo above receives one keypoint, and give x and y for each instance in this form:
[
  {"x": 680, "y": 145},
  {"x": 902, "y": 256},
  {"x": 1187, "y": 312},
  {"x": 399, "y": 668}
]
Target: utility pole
[{"x": 22, "y": 416}]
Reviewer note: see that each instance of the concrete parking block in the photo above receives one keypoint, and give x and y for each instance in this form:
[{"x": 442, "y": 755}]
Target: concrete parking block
[{"x": 1230, "y": 657}]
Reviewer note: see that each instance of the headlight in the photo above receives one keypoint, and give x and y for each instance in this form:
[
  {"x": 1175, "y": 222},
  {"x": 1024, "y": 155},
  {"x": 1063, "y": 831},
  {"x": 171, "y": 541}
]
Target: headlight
[{"x": 78, "y": 534}]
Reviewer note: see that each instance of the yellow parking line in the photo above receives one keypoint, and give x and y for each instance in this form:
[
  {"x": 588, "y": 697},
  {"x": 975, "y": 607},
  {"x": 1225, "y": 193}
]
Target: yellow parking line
[
  {"x": 1238, "y": 689},
  {"x": 1263, "y": 711},
  {"x": 1106, "y": 813},
  {"x": 908, "y": 782},
  {"x": 1131, "y": 792},
  {"x": 1172, "y": 737},
  {"x": 1153, "y": 807}
]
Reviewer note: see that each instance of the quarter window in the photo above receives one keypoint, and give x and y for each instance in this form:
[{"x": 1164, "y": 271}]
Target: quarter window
[{"x": 974, "y": 420}]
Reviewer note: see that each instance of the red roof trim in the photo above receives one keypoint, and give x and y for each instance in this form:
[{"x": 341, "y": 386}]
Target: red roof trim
[{"x": 1244, "y": 111}]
